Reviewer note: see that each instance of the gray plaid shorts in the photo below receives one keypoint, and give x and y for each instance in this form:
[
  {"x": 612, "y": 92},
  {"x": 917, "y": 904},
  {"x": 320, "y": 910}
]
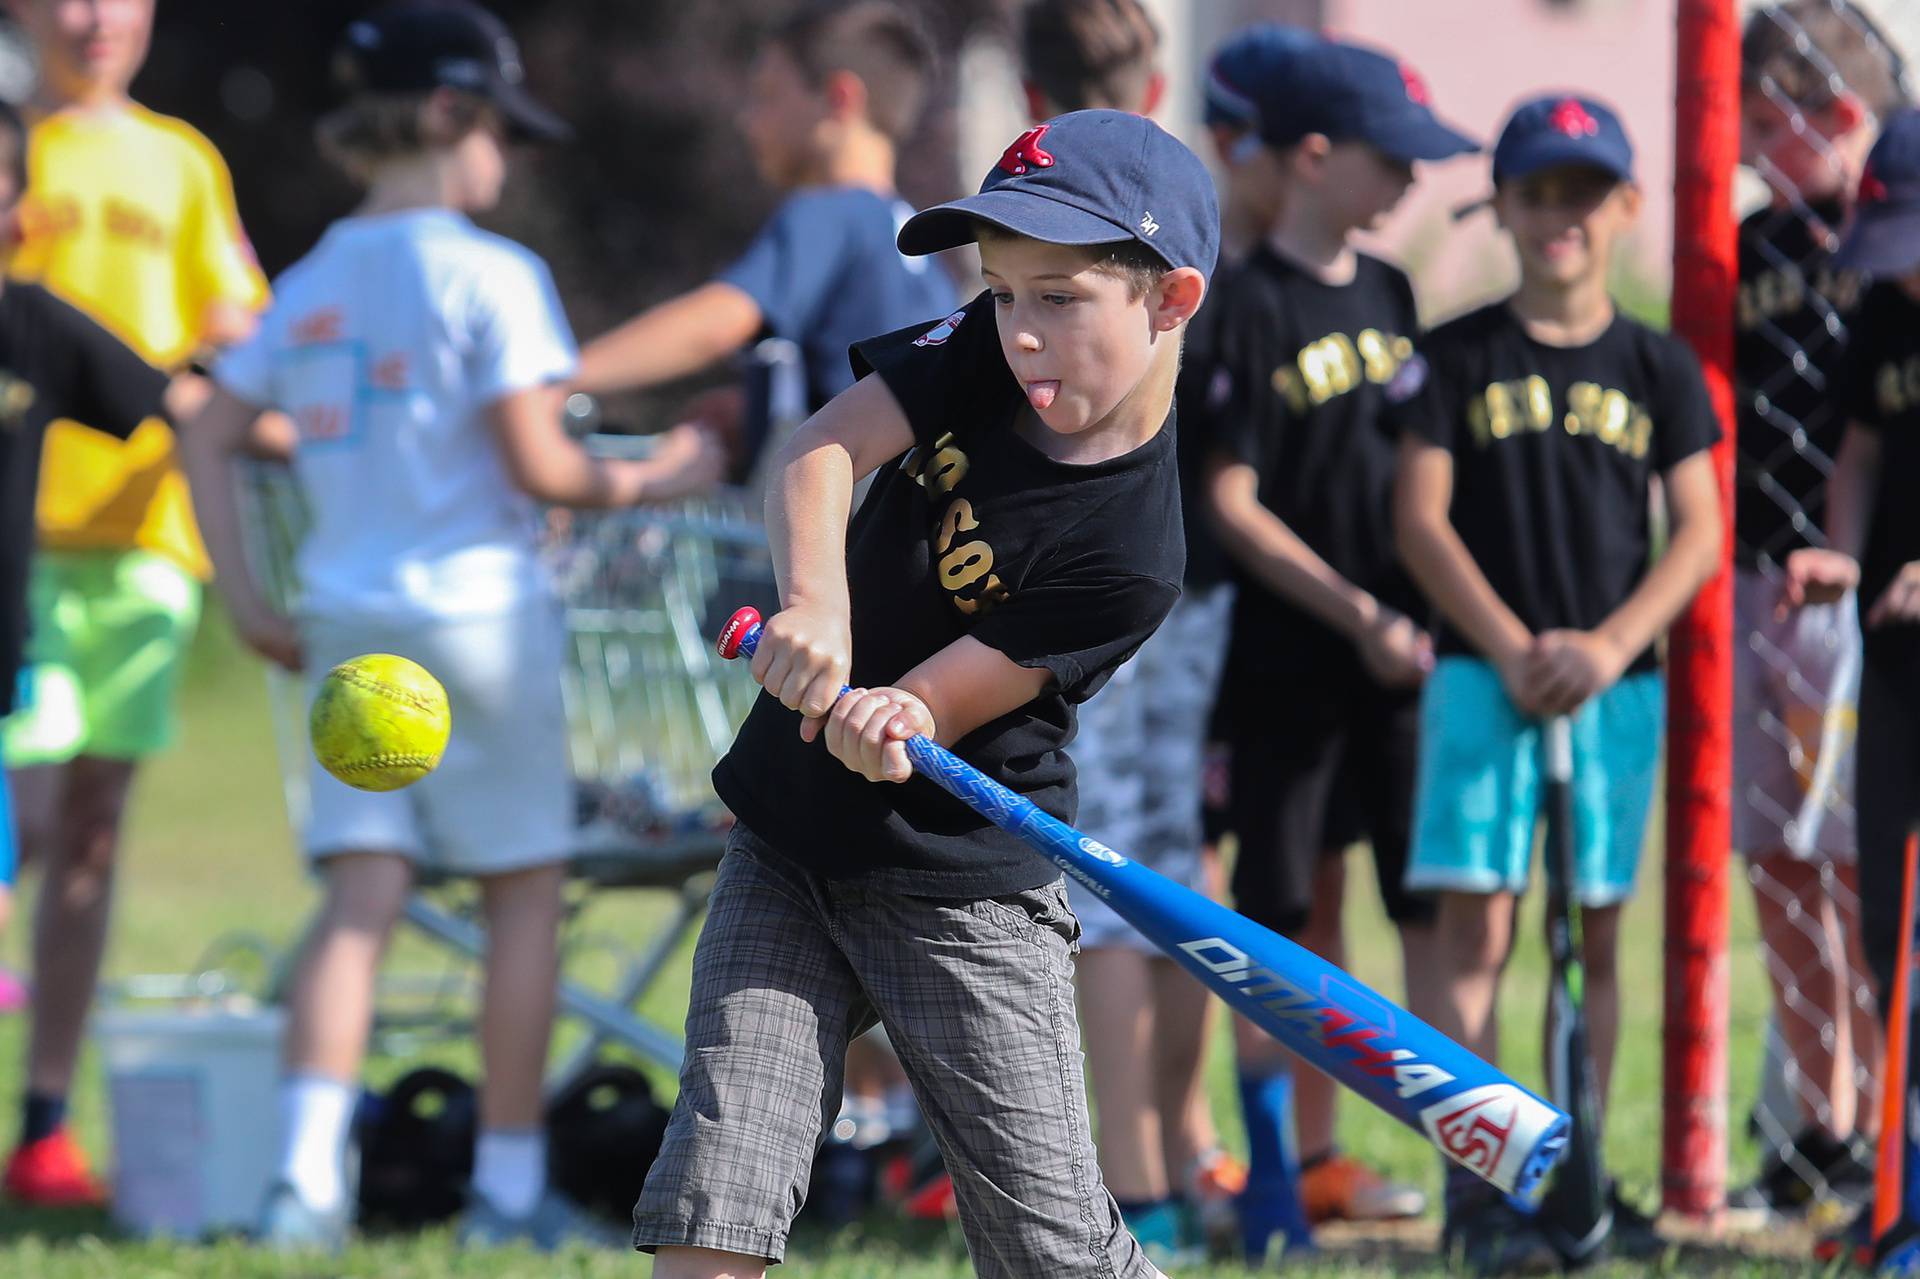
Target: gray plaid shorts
[{"x": 977, "y": 999}]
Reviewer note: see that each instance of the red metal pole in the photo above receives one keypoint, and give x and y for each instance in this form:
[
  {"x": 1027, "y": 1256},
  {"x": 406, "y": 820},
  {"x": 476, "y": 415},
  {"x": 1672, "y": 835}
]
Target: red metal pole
[{"x": 1700, "y": 653}]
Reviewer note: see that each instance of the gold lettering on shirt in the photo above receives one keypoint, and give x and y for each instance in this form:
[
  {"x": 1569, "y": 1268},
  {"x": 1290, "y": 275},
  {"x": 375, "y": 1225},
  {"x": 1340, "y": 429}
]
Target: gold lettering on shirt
[
  {"x": 1525, "y": 406},
  {"x": 1786, "y": 289},
  {"x": 1329, "y": 367},
  {"x": 1896, "y": 385},
  {"x": 965, "y": 571},
  {"x": 938, "y": 470},
  {"x": 16, "y": 397}
]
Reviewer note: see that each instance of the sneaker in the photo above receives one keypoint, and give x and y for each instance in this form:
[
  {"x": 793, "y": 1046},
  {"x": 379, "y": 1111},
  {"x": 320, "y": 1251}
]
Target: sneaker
[
  {"x": 289, "y": 1223},
  {"x": 13, "y": 992},
  {"x": 53, "y": 1173},
  {"x": 555, "y": 1222},
  {"x": 1634, "y": 1234},
  {"x": 1341, "y": 1188},
  {"x": 1816, "y": 1165},
  {"x": 1214, "y": 1184},
  {"x": 1494, "y": 1238}
]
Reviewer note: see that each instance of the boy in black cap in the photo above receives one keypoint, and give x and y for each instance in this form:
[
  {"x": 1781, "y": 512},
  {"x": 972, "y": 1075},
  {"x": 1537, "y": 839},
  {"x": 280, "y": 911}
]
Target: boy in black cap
[
  {"x": 1304, "y": 340},
  {"x": 1533, "y": 430},
  {"x": 1873, "y": 525},
  {"x": 1020, "y": 540}
]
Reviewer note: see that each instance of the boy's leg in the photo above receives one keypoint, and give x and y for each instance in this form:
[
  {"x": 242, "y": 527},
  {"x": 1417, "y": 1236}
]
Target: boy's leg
[
  {"x": 1807, "y": 968},
  {"x": 1116, "y": 985},
  {"x": 329, "y": 1016},
  {"x": 984, "y": 1024},
  {"x": 1599, "y": 953},
  {"x": 1857, "y": 999},
  {"x": 773, "y": 1005},
  {"x": 516, "y": 1025}
]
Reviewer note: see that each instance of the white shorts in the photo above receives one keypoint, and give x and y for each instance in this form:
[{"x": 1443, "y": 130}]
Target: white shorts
[
  {"x": 1795, "y": 686},
  {"x": 1138, "y": 757},
  {"x": 502, "y": 798}
]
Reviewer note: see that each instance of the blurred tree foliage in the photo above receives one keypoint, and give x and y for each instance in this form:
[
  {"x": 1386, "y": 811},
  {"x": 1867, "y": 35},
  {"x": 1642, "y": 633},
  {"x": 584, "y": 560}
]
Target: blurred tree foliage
[{"x": 655, "y": 193}]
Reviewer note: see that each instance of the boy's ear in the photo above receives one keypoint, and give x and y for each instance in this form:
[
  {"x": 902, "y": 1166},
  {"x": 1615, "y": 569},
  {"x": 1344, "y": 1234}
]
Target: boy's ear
[
  {"x": 846, "y": 95},
  {"x": 1630, "y": 199},
  {"x": 1308, "y": 156},
  {"x": 1176, "y": 297},
  {"x": 1156, "y": 90}
]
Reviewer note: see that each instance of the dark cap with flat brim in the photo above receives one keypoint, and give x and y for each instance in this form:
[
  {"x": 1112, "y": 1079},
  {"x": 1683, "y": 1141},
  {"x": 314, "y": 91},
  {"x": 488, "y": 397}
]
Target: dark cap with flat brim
[
  {"x": 1883, "y": 237},
  {"x": 424, "y": 45},
  {"x": 1088, "y": 177},
  {"x": 1349, "y": 93}
]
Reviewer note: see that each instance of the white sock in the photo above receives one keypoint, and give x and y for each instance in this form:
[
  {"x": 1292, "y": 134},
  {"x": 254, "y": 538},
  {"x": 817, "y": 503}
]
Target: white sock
[
  {"x": 316, "y": 1114},
  {"x": 510, "y": 1169}
]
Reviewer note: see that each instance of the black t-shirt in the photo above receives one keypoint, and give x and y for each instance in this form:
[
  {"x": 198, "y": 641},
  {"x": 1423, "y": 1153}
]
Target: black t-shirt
[
  {"x": 1553, "y": 451},
  {"x": 973, "y": 531},
  {"x": 1297, "y": 392},
  {"x": 1881, "y": 386},
  {"x": 54, "y": 363},
  {"x": 1789, "y": 347},
  {"x": 1206, "y": 561}
]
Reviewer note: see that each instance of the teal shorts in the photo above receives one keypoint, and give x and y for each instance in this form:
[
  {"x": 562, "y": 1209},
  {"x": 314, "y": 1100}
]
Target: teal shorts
[{"x": 1478, "y": 795}]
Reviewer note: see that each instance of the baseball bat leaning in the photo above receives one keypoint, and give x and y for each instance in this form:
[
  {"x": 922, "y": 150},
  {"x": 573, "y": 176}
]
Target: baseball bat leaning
[
  {"x": 1476, "y": 1116},
  {"x": 1575, "y": 1214}
]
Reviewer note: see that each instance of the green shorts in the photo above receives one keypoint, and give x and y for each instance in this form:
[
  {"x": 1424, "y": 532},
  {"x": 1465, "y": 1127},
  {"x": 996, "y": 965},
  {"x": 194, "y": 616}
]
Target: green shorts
[{"x": 108, "y": 634}]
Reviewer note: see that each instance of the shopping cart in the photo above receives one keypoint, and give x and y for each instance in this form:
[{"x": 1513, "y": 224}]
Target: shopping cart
[{"x": 650, "y": 707}]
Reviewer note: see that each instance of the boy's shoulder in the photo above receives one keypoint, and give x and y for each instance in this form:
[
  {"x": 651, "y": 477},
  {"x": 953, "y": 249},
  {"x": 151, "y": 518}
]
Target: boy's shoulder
[
  {"x": 1470, "y": 330},
  {"x": 186, "y": 144},
  {"x": 852, "y": 210}
]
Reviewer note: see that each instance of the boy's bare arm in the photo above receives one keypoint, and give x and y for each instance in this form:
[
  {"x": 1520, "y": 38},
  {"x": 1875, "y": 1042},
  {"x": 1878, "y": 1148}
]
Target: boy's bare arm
[
  {"x": 678, "y": 337},
  {"x": 806, "y": 649},
  {"x": 1694, "y": 540},
  {"x": 208, "y": 444},
  {"x": 548, "y": 464},
  {"x": 963, "y": 686},
  {"x": 1442, "y": 566},
  {"x": 1823, "y": 575},
  {"x": 1263, "y": 544}
]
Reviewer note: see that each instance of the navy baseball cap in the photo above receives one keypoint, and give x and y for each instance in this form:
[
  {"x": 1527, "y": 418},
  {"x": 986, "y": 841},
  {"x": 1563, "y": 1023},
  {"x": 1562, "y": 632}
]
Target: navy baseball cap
[
  {"x": 1884, "y": 236},
  {"x": 423, "y": 45},
  {"x": 1088, "y": 177},
  {"x": 1559, "y": 131},
  {"x": 1348, "y": 93},
  {"x": 1253, "y": 56}
]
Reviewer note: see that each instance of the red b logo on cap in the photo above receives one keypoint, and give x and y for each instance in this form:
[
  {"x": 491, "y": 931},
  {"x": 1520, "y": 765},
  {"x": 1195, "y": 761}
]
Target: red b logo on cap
[
  {"x": 1872, "y": 189},
  {"x": 1025, "y": 153},
  {"x": 1574, "y": 120},
  {"x": 1416, "y": 87}
]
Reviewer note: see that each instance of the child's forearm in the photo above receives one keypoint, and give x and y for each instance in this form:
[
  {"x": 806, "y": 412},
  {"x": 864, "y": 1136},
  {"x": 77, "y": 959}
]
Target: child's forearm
[
  {"x": 1263, "y": 545},
  {"x": 1445, "y": 570},
  {"x": 807, "y": 508},
  {"x": 1690, "y": 561},
  {"x": 672, "y": 340},
  {"x": 1850, "y": 492},
  {"x": 208, "y": 445}
]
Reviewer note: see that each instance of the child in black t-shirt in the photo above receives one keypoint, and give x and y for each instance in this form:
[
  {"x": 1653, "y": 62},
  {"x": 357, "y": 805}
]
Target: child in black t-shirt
[
  {"x": 55, "y": 363},
  {"x": 1533, "y": 431},
  {"x": 1299, "y": 480},
  {"x": 1873, "y": 525},
  {"x": 1816, "y": 78},
  {"x": 1020, "y": 540}
]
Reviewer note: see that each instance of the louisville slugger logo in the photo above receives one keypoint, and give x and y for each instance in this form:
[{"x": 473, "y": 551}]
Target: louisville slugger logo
[
  {"x": 1317, "y": 1018},
  {"x": 1100, "y": 852}
]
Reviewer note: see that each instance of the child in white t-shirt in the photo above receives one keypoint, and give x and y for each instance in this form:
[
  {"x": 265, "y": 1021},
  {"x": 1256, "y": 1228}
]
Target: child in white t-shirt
[{"x": 421, "y": 359}]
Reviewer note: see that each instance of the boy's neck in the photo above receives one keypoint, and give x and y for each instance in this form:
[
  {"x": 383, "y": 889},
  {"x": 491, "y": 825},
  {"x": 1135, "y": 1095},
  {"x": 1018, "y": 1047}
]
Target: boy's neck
[
  {"x": 1563, "y": 314},
  {"x": 96, "y": 99},
  {"x": 406, "y": 185},
  {"x": 1309, "y": 241},
  {"x": 865, "y": 158}
]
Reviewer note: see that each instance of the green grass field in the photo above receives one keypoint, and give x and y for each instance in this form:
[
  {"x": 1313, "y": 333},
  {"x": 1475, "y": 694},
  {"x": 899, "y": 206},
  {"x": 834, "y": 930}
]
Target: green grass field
[{"x": 208, "y": 854}]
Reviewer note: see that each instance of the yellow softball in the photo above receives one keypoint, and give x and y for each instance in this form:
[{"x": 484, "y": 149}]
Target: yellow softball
[{"x": 379, "y": 722}]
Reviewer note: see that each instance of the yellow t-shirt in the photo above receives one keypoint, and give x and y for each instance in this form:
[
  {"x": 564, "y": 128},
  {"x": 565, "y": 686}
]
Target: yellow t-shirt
[{"x": 129, "y": 216}]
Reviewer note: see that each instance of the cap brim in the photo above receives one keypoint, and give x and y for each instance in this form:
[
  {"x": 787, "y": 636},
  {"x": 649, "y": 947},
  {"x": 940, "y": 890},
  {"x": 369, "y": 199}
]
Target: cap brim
[
  {"x": 1421, "y": 138},
  {"x": 526, "y": 118},
  {"x": 1883, "y": 240},
  {"x": 950, "y": 225}
]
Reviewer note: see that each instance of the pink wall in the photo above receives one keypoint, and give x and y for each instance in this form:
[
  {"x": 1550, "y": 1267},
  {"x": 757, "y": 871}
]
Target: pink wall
[{"x": 1481, "y": 56}]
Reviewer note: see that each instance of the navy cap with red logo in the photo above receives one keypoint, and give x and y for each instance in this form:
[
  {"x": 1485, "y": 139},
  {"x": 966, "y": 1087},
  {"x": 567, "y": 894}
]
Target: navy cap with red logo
[
  {"x": 1348, "y": 93},
  {"x": 422, "y": 45},
  {"x": 1884, "y": 236},
  {"x": 1247, "y": 59},
  {"x": 1562, "y": 131},
  {"x": 1088, "y": 177}
]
